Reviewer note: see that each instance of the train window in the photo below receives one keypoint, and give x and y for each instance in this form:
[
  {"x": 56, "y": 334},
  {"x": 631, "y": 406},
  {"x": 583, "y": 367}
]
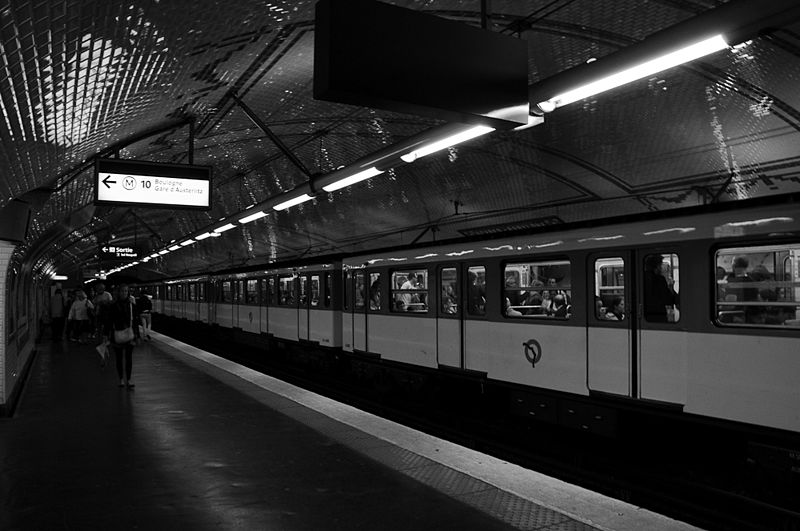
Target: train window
[
  {"x": 758, "y": 286},
  {"x": 286, "y": 291},
  {"x": 410, "y": 291},
  {"x": 270, "y": 300},
  {"x": 609, "y": 289},
  {"x": 227, "y": 291},
  {"x": 201, "y": 292},
  {"x": 538, "y": 290},
  {"x": 315, "y": 287},
  {"x": 375, "y": 291},
  {"x": 477, "y": 290},
  {"x": 328, "y": 289},
  {"x": 358, "y": 279},
  {"x": 448, "y": 280},
  {"x": 251, "y": 296},
  {"x": 170, "y": 294},
  {"x": 661, "y": 288},
  {"x": 347, "y": 290},
  {"x": 192, "y": 292},
  {"x": 303, "y": 291}
]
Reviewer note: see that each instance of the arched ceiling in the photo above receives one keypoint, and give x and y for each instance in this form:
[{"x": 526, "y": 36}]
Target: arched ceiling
[{"x": 86, "y": 78}]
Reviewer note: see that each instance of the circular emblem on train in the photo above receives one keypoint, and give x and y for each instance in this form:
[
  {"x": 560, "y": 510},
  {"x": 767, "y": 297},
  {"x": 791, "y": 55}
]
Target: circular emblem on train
[{"x": 533, "y": 351}]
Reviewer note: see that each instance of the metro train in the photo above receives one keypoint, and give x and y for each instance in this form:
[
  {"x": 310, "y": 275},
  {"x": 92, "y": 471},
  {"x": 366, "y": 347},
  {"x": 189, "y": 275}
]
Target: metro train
[{"x": 691, "y": 315}]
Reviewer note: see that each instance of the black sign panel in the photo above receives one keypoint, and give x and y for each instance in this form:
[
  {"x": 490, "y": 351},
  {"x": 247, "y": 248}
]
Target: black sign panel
[{"x": 378, "y": 55}]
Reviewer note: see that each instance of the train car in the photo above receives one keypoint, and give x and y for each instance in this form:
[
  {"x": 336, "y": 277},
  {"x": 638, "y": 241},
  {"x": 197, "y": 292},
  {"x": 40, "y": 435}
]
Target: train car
[
  {"x": 697, "y": 315},
  {"x": 304, "y": 304}
]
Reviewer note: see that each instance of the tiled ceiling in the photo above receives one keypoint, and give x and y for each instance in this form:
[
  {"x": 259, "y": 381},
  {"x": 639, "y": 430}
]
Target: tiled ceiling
[{"x": 83, "y": 78}]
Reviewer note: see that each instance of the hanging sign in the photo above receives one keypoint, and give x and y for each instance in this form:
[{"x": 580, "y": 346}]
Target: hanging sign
[
  {"x": 129, "y": 182},
  {"x": 117, "y": 252}
]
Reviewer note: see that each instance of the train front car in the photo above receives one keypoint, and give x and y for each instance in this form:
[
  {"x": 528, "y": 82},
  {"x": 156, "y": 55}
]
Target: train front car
[{"x": 694, "y": 317}]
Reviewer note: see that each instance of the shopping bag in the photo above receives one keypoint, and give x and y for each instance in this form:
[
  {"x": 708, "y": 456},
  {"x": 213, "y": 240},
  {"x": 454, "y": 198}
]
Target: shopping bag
[{"x": 102, "y": 350}]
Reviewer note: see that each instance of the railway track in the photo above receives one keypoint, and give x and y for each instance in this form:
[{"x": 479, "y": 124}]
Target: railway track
[{"x": 596, "y": 463}]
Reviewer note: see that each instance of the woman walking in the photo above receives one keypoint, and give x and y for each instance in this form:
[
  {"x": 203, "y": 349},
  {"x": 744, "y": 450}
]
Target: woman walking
[{"x": 122, "y": 332}]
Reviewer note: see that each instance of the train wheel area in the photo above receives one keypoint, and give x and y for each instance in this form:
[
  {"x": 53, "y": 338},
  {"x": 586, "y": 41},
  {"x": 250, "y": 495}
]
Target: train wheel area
[{"x": 717, "y": 479}]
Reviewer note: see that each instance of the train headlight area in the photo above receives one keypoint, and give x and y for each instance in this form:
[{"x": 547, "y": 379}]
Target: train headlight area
[{"x": 325, "y": 188}]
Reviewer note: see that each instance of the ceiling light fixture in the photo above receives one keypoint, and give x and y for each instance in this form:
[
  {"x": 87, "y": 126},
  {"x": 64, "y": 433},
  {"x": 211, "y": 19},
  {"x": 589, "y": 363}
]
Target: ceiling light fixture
[
  {"x": 433, "y": 147},
  {"x": 202, "y": 236},
  {"x": 647, "y": 68},
  {"x": 174, "y": 247},
  {"x": 252, "y": 217},
  {"x": 292, "y": 202},
  {"x": 165, "y": 251},
  {"x": 355, "y": 178},
  {"x": 227, "y": 226},
  {"x": 187, "y": 242}
]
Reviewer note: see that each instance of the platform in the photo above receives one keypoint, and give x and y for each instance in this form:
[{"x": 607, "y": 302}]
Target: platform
[{"x": 203, "y": 443}]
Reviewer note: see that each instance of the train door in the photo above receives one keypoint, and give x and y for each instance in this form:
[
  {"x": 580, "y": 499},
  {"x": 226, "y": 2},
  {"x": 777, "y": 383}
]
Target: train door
[
  {"x": 662, "y": 337},
  {"x": 347, "y": 312},
  {"x": 302, "y": 310},
  {"x": 449, "y": 333},
  {"x": 611, "y": 363},
  {"x": 359, "y": 311}
]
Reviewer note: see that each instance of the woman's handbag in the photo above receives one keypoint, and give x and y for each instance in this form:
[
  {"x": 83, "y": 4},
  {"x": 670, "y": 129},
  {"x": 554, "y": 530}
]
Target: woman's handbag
[{"x": 125, "y": 335}]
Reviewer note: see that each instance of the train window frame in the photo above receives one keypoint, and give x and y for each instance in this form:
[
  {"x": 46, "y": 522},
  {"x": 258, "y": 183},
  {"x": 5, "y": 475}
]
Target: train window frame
[
  {"x": 672, "y": 316},
  {"x": 283, "y": 293},
  {"x": 347, "y": 288},
  {"x": 327, "y": 287},
  {"x": 359, "y": 296},
  {"x": 543, "y": 312},
  {"x": 406, "y": 295},
  {"x": 449, "y": 305},
  {"x": 375, "y": 304},
  {"x": 596, "y": 289},
  {"x": 302, "y": 290},
  {"x": 770, "y": 306},
  {"x": 251, "y": 296},
  {"x": 475, "y": 309}
]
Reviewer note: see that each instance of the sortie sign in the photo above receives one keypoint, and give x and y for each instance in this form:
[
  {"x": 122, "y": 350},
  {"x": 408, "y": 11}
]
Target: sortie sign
[{"x": 129, "y": 182}]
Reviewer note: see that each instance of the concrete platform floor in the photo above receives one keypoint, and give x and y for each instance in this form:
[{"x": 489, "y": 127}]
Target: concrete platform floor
[{"x": 196, "y": 446}]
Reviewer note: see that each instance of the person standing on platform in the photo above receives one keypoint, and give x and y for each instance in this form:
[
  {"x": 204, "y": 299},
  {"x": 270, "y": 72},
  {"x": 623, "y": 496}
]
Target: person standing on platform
[
  {"x": 102, "y": 300},
  {"x": 80, "y": 316},
  {"x": 145, "y": 307},
  {"x": 57, "y": 304},
  {"x": 122, "y": 331}
]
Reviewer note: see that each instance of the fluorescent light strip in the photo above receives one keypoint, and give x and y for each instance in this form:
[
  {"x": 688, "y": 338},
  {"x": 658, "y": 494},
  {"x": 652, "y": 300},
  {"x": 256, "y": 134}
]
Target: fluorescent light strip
[
  {"x": 252, "y": 217},
  {"x": 202, "y": 236},
  {"x": 292, "y": 202},
  {"x": 187, "y": 242},
  {"x": 347, "y": 181},
  {"x": 452, "y": 140},
  {"x": 165, "y": 251},
  {"x": 684, "y": 55},
  {"x": 227, "y": 226},
  {"x": 174, "y": 247}
]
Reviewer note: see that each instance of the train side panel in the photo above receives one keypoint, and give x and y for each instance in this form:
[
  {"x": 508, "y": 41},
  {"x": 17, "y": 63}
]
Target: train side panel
[
  {"x": 536, "y": 354},
  {"x": 325, "y": 327},
  {"x": 404, "y": 339},
  {"x": 249, "y": 318},
  {"x": 283, "y": 322},
  {"x": 224, "y": 314},
  {"x": 746, "y": 378}
]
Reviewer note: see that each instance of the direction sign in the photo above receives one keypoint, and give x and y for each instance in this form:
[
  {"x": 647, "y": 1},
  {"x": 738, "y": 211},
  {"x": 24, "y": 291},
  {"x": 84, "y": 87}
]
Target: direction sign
[
  {"x": 129, "y": 182},
  {"x": 110, "y": 251}
]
